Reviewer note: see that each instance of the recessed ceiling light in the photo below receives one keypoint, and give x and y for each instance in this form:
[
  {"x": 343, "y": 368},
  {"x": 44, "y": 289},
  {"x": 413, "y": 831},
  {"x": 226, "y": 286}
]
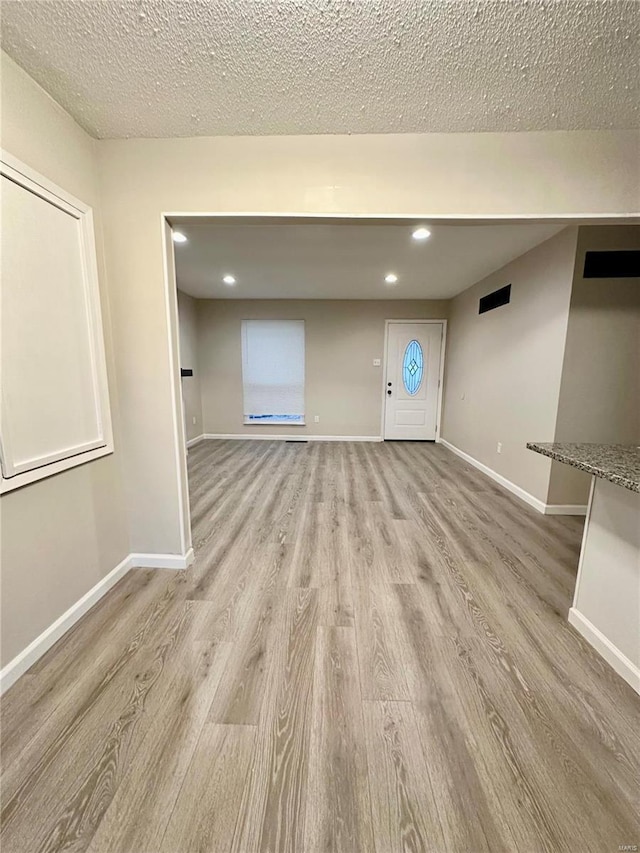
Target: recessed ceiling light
[
  {"x": 421, "y": 234},
  {"x": 178, "y": 237},
  {"x": 391, "y": 278},
  {"x": 229, "y": 279}
]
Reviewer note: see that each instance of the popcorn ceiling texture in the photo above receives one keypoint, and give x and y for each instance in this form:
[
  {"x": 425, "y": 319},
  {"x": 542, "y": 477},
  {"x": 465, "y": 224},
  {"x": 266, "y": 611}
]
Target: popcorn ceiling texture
[{"x": 224, "y": 67}]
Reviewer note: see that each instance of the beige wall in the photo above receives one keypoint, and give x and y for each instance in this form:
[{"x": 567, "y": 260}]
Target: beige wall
[
  {"x": 191, "y": 390},
  {"x": 600, "y": 390},
  {"x": 503, "y": 368},
  {"x": 79, "y": 515},
  {"x": 482, "y": 174},
  {"x": 342, "y": 338},
  {"x": 61, "y": 535}
]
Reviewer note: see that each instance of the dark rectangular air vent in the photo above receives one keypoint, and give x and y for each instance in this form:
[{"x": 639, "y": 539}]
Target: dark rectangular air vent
[
  {"x": 625, "y": 264},
  {"x": 495, "y": 299}
]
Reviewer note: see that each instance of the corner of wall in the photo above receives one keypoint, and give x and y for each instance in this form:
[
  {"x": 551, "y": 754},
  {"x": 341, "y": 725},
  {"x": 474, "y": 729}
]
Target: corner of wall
[
  {"x": 599, "y": 395},
  {"x": 83, "y": 524},
  {"x": 504, "y": 367}
]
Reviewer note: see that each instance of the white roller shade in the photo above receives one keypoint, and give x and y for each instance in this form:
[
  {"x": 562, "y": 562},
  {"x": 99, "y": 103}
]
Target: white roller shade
[{"x": 273, "y": 371}]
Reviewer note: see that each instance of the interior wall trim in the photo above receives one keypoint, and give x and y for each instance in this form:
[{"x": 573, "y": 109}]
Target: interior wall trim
[
  {"x": 36, "y": 649},
  {"x": 536, "y": 503},
  {"x": 177, "y": 411},
  {"x": 196, "y": 440},
  {"x": 565, "y": 509},
  {"x": 291, "y": 437},
  {"x": 27, "y": 657},
  {"x": 614, "y": 657},
  {"x": 162, "y": 561}
]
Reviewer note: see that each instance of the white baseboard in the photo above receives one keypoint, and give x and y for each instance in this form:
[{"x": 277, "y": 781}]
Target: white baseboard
[
  {"x": 565, "y": 509},
  {"x": 614, "y": 657},
  {"x": 21, "y": 663},
  {"x": 34, "y": 651},
  {"x": 161, "y": 561},
  {"x": 536, "y": 503},
  {"x": 292, "y": 437},
  {"x": 195, "y": 440}
]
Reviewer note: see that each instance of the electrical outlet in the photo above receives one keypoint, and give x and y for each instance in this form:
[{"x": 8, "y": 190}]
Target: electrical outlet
[
  {"x": 376, "y": 362},
  {"x": 316, "y": 419},
  {"x": 499, "y": 448}
]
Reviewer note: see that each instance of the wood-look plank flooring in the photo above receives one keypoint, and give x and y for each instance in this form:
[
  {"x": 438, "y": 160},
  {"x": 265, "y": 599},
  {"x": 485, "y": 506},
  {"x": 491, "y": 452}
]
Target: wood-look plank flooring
[{"x": 370, "y": 653}]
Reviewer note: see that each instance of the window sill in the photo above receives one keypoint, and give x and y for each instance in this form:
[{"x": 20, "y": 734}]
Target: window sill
[{"x": 276, "y": 422}]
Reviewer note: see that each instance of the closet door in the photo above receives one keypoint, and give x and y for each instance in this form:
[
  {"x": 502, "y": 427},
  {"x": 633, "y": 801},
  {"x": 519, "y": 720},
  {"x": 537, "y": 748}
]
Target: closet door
[{"x": 54, "y": 408}]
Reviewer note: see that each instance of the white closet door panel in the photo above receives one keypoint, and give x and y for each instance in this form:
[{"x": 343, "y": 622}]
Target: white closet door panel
[{"x": 52, "y": 362}]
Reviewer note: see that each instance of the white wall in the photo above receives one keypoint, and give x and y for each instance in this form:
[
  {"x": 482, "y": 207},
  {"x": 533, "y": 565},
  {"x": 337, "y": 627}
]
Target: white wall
[
  {"x": 600, "y": 390},
  {"x": 608, "y": 590},
  {"x": 503, "y": 368},
  {"x": 342, "y": 338},
  {"x": 60, "y": 535},
  {"x": 191, "y": 386}
]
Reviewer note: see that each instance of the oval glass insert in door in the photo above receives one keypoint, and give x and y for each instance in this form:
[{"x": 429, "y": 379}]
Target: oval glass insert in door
[{"x": 412, "y": 367}]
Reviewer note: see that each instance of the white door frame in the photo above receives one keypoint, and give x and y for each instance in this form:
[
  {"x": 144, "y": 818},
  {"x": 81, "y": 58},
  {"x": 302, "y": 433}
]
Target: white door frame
[
  {"x": 177, "y": 404},
  {"x": 443, "y": 345}
]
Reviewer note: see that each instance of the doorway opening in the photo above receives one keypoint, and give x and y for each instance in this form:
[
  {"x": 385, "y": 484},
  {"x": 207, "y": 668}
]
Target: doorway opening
[{"x": 368, "y": 298}]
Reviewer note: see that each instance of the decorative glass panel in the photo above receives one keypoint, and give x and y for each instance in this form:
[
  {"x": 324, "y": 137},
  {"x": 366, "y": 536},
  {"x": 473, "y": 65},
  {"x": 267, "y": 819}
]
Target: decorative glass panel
[{"x": 412, "y": 367}]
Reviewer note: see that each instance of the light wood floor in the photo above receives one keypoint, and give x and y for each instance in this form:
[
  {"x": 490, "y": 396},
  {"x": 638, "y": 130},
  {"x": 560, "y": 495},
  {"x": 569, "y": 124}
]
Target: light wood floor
[{"x": 370, "y": 654}]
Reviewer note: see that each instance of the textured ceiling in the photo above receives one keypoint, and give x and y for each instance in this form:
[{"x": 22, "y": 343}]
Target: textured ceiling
[
  {"x": 207, "y": 67},
  {"x": 341, "y": 261}
]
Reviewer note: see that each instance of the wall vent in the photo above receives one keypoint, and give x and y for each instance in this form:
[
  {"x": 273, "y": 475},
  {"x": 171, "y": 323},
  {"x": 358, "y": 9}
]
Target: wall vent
[
  {"x": 625, "y": 264},
  {"x": 495, "y": 299}
]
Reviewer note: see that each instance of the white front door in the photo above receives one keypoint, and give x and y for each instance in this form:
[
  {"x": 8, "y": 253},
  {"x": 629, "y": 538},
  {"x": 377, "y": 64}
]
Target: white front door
[{"x": 412, "y": 380}]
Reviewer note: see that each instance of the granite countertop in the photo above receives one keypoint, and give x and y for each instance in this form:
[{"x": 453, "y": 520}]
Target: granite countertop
[{"x": 619, "y": 463}]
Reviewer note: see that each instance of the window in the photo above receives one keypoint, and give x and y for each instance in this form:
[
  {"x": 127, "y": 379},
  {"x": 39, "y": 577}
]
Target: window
[
  {"x": 412, "y": 367},
  {"x": 273, "y": 371}
]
